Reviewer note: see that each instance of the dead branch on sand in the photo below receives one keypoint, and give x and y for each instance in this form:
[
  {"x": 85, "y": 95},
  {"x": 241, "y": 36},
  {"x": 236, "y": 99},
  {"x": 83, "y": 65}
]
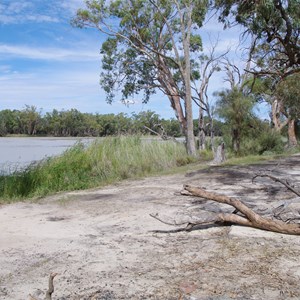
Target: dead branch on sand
[
  {"x": 247, "y": 218},
  {"x": 50, "y": 288},
  {"x": 285, "y": 183}
]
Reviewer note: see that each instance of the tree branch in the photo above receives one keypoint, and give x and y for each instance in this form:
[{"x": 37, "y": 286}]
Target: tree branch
[
  {"x": 251, "y": 218},
  {"x": 275, "y": 179}
]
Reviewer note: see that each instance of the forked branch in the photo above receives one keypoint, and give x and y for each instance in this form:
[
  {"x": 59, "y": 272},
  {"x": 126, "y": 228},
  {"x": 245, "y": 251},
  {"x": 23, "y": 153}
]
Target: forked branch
[
  {"x": 251, "y": 218},
  {"x": 248, "y": 217}
]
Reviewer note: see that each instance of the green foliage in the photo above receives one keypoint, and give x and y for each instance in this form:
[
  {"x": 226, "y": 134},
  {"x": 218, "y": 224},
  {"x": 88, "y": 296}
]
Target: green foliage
[
  {"x": 74, "y": 123},
  {"x": 276, "y": 26},
  {"x": 206, "y": 155},
  {"x": 288, "y": 91},
  {"x": 270, "y": 142},
  {"x": 236, "y": 110},
  {"x": 196, "y": 42},
  {"x": 105, "y": 161},
  {"x": 149, "y": 48},
  {"x": 263, "y": 143}
]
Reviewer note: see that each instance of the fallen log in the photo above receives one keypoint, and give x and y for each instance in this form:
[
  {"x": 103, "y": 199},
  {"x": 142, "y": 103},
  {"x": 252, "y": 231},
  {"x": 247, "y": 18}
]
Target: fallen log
[
  {"x": 249, "y": 218},
  {"x": 242, "y": 215}
]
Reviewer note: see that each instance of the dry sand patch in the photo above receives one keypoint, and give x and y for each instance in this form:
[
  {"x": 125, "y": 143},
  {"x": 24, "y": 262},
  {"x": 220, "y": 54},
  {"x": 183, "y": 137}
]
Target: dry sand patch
[{"x": 102, "y": 244}]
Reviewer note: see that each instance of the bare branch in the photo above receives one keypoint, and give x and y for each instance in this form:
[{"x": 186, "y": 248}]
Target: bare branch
[
  {"x": 251, "y": 218},
  {"x": 51, "y": 286},
  {"x": 275, "y": 179}
]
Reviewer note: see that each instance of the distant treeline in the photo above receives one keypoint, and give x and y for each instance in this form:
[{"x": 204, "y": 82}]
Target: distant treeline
[{"x": 31, "y": 121}]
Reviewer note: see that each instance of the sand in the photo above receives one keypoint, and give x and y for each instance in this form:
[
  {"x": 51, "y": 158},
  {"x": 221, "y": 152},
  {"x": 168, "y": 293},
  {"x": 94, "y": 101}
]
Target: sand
[{"x": 104, "y": 244}]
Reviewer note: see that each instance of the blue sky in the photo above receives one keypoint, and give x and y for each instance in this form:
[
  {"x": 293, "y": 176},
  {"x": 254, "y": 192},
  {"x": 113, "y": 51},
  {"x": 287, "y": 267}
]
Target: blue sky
[{"x": 49, "y": 64}]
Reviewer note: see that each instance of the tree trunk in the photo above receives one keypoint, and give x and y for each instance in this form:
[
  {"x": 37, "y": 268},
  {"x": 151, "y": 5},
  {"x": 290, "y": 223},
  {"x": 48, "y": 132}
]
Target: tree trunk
[
  {"x": 166, "y": 80},
  {"x": 201, "y": 133},
  {"x": 190, "y": 138},
  {"x": 291, "y": 133},
  {"x": 219, "y": 154},
  {"x": 236, "y": 141},
  {"x": 277, "y": 111},
  {"x": 176, "y": 105},
  {"x": 212, "y": 134}
]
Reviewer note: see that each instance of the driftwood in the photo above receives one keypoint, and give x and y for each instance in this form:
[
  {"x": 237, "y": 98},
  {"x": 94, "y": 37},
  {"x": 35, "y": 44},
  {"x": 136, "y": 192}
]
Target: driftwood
[
  {"x": 247, "y": 218},
  {"x": 161, "y": 134},
  {"x": 50, "y": 288}
]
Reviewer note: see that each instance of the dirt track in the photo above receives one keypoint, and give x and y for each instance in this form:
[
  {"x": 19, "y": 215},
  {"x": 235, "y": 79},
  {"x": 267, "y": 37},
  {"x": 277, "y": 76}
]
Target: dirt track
[{"x": 102, "y": 244}]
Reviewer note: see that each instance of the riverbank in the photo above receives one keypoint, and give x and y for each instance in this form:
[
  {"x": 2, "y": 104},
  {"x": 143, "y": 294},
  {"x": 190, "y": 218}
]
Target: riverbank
[
  {"x": 104, "y": 161},
  {"x": 18, "y": 152},
  {"x": 102, "y": 244}
]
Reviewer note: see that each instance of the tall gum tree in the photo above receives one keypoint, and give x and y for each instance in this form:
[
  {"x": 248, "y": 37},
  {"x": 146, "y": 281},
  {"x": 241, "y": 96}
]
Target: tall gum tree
[
  {"x": 203, "y": 69},
  {"x": 276, "y": 55},
  {"x": 235, "y": 105},
  {"x": 148, "y": 48}
]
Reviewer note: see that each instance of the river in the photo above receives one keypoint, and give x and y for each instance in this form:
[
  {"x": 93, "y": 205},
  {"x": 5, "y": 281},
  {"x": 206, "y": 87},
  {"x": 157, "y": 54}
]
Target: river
[{"x": 18, "y": 152}]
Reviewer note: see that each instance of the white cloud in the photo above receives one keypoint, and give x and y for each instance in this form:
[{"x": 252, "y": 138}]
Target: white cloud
[
  {"x": 16, "y": 19},
  {"x": 5, "y": 69},
  {"x": 17, "y": 7},
  {"x": 49, "y": 88},
  {"x": 72, "y": 5},
  {"x": 42, "y": 18},
  {"x": 65, "y": 89},
  {"x": 19, "y": 12},
  {"x": 57, "y": 54}
]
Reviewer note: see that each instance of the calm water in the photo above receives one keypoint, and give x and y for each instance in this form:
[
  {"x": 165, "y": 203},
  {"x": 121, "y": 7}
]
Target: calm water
[{"x": 17, "y": 153}]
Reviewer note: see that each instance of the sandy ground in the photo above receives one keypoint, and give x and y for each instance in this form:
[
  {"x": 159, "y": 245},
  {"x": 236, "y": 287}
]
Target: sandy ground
[{"x": 102, "y": 244}]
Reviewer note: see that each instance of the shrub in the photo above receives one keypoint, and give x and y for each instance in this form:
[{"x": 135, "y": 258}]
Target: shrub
[{"x": 270, "y": 141}]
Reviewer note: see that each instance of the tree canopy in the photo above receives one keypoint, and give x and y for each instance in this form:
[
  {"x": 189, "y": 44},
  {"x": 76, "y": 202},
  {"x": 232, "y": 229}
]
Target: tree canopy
[
  {"x": 155, "y": 45},
  {"x": 149, "y": 47},
  {"x": 289, "y": 93},
  {"x": 276, "y": 27}
]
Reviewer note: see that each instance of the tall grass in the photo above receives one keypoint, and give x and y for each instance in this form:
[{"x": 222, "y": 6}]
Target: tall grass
[{"x": 103, "y": 162}]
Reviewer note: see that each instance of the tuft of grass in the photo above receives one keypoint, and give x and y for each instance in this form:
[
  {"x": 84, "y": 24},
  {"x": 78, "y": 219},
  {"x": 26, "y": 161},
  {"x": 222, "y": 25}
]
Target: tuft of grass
[
  {"x": 206, "y": 155},
  {"x": 105, "y": 161}
]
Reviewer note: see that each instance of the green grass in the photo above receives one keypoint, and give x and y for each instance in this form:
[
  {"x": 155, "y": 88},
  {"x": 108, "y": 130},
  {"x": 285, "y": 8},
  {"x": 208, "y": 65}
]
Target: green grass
[
  {"x": 106, "y": 161},
  {"x": 253, "y": 159},
  {"x": 248, "y": 160}
]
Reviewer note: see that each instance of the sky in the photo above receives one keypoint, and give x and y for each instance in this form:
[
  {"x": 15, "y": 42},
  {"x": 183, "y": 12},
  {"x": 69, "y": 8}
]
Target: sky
[{"x": 47, "y": 63}]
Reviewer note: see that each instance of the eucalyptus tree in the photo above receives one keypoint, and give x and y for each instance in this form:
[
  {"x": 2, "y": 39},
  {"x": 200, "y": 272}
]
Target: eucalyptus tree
[
  {"x": 276, "y": 26},
  {"x": 204, "y": 68},
  {"x": 30, "y": 120},
  {"x": 236, "y": 109},
  {"x": 149, "y": 48},
  {"x": 9, "y": 122},
  {"x": 235, "y": 105}
]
